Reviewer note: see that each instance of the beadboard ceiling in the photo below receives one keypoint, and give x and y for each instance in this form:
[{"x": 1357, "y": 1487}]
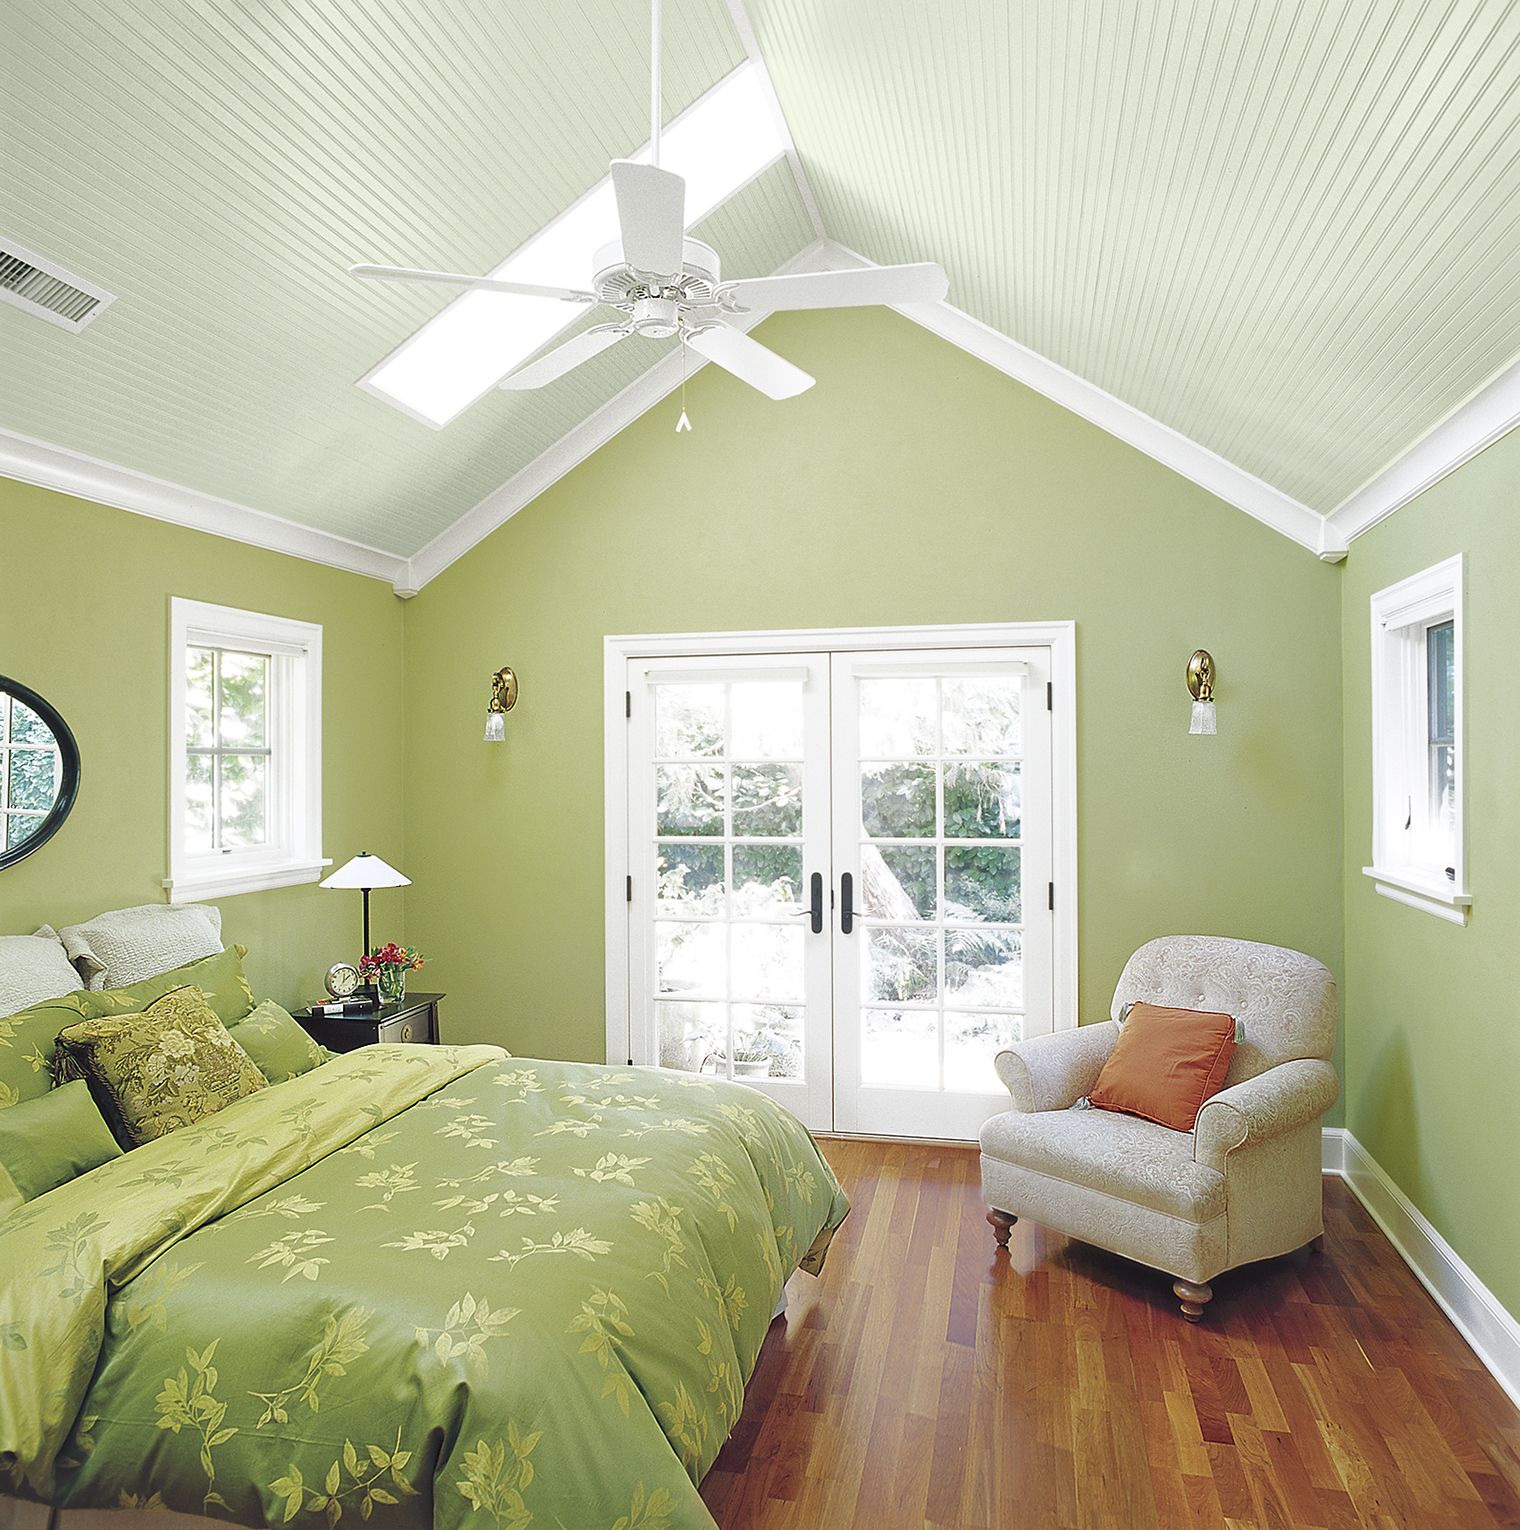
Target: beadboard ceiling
[{"x": 1286, "y": 233}]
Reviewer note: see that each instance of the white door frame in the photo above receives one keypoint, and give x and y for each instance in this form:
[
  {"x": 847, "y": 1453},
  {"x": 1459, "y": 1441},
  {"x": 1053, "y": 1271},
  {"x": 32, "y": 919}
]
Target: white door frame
[{"x": 1059, "y": 637}]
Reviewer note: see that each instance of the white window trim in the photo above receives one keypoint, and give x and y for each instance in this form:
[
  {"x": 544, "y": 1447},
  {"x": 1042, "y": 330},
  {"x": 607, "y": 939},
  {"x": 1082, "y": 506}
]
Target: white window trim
[
  {"x": 296, "y": 726},
  {"x": 1398, "y": 688},
  {"x": 1059, "y": 637}
]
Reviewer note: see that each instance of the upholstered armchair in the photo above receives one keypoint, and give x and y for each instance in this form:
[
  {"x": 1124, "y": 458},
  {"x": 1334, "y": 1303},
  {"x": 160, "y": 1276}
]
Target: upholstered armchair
[{"x": 1243, "y": 1185}]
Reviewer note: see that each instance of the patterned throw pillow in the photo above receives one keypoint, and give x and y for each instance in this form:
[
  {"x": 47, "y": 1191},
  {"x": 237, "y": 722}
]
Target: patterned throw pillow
[
  {"x": 171, "y": 1065},
  {"x": 274, "y": 1039}
]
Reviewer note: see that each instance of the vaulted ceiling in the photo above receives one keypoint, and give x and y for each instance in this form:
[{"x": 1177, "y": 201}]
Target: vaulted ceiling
[{"x": 1287, "y": 233}]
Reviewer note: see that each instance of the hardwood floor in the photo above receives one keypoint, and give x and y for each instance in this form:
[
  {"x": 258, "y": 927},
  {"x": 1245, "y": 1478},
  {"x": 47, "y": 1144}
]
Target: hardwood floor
[{"x": 927, "y": 1380}]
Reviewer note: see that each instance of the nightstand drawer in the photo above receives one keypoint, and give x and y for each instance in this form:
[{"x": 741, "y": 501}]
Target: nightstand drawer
[{"x": 412, "y": 1027}]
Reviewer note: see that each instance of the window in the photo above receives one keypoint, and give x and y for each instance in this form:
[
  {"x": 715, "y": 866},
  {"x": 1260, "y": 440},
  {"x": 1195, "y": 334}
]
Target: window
[
  {"x": 1418, "y": 840},
  {"x": 245, "y": 758}
]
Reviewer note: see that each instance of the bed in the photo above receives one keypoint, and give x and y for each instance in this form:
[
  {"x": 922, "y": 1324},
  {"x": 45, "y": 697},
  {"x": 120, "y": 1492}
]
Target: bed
[{"x": 416, "y": 1285}]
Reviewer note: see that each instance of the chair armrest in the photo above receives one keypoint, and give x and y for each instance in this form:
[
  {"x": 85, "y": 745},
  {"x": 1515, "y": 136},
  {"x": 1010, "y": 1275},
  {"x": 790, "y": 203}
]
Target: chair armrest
[
  {"x": 1256, "y": 1109},
  {"x": 1054, "y": 1072}
]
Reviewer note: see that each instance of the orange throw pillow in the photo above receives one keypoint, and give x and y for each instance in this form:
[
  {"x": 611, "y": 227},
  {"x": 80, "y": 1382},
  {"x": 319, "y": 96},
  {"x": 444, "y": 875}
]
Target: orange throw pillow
[{"x": 1166, "y": 1063}]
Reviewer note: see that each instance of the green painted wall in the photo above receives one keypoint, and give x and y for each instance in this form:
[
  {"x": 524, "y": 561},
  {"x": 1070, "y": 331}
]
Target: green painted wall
[
  {"x": 1432, "y": 1008},
  {"x": 912, "y": 485},
  {"x": 84, "y": 613}
]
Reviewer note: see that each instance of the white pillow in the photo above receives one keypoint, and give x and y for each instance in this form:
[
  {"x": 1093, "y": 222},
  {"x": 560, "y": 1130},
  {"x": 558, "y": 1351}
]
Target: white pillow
[
  {"x": 129, "y": 944},
  {"x": 33, "y": 968}
]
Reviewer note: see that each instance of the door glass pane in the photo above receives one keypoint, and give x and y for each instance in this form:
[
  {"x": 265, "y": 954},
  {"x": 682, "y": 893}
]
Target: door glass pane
[
  {"x": 984, "y": 967},
  {"x": 981, "y": 799},
  {"x": 898, "y": 717},
  {"x": 898, "y": 882},
  {"x": 972, "y": 1041},
  {"x": 688, "y": 721},
  {"x": 767, "y": 962},
  {"x": 897, "y": 801},
  {"x": 902, "y": 965},
  {"x": 982, "y": 883},
  {"x": 767, "y": 1040},
  {"x": 692, "y": 958},
  {"x": 767, "y": 800},
  {"x": 690, "y": 879},
  {"x": 690, "y": 1034},
  {"x": 981, "y": 714},
  {"x": 901, "y": 1048},
  {"x": 767, "y": 879},
  {"x": 767, "y": 720},
  {"x": 689, "y": 799}
]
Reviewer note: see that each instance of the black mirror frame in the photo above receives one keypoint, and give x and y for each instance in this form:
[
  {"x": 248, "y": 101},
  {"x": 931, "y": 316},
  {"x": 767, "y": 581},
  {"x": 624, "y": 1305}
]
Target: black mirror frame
[{"x": 68, "y": 791}]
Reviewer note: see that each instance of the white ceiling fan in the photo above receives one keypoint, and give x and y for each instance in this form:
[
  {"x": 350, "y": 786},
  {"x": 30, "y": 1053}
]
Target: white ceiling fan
[{"x": 665, "y": 285}]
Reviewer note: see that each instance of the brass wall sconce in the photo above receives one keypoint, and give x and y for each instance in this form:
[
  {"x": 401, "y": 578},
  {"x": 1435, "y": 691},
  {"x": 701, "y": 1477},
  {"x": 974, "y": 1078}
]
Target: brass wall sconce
[
  {"x": 503, "y": 699},
  {"x": 1200, "y": 684}
]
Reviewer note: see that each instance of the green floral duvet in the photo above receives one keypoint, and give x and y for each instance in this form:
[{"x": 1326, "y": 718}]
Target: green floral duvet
[{"x": 414, "y": 1286}]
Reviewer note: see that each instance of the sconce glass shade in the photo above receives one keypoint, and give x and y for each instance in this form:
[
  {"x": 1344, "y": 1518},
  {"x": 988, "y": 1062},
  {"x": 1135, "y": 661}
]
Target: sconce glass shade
[
  {"x": 1203, "y": 718},
  {"x": 496, "y": 727}
]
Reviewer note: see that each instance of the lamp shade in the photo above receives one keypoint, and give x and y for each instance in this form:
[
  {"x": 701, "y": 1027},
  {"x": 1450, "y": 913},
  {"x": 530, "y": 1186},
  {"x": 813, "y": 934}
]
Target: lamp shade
[{"x": 366, "y": 870}]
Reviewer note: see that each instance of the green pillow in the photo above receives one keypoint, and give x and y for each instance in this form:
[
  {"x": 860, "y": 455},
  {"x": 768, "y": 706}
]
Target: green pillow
[
  {"x": 47, "y": 1141},
  {"x": 275, "y": 1041},
  {"x": 26, "y": 1047},
  {"x": 169, "y": 1066},
  {"x": 218, "y": 976}
]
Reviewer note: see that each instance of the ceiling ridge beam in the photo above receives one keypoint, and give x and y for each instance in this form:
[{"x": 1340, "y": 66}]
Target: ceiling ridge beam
[
  {"x": 60, "y": 468},
  {"x": 739, "y": 15}
]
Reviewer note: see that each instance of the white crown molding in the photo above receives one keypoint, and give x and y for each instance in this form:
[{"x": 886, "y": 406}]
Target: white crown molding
[
  {"x": 1180, "y": 453},
  {"x": 578, "y": 443},
  {"x": 1489, "y": 1328},
  {"x": 1493, "y": 411},
  {"x": 69, "y": 472}
]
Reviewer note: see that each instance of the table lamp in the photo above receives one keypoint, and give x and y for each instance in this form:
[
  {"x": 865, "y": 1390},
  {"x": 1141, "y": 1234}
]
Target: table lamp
[{"x": 366, "y": 871}]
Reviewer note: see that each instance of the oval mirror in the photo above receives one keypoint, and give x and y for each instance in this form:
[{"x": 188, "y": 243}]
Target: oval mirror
[{"x": 39, "y": 771}]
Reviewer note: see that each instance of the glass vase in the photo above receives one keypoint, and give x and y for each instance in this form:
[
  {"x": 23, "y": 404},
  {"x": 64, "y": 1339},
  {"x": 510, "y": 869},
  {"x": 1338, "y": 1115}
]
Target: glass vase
[{"x": 391, "y": 981}]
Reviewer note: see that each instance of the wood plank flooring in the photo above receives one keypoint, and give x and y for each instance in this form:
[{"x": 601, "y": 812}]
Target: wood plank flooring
[{"x": 926, "y": 1381}]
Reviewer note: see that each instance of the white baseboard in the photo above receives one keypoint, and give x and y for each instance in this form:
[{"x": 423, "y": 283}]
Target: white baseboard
[{"x": 1489, "y": 1328}]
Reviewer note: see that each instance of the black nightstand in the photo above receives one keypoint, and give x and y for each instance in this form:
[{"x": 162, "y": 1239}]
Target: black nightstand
[{"x": 414, "y": 1019}]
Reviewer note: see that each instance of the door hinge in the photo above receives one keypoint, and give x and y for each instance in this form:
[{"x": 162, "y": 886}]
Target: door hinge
[
  {"x": 630, "y": 889},
  {"x": 1050, "y": 695},
  {"x": 1051, "y": 894},
  {"x": 627, "y": 703}
]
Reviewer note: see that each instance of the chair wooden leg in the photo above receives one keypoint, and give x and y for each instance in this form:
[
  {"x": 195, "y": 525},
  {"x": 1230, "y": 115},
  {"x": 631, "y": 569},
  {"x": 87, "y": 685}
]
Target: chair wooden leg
[
  {"x": 1194, "y": 1298},
  {"x": 1001, "y": 1223}
]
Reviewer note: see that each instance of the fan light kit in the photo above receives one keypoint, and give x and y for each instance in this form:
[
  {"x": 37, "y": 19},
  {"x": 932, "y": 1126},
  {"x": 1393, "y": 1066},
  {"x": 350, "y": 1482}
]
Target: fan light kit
[{"x": 664, "y": 285}]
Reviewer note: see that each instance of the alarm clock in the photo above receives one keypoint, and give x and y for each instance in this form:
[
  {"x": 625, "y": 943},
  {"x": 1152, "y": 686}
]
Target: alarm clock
[{"x": 342, "y": 979}]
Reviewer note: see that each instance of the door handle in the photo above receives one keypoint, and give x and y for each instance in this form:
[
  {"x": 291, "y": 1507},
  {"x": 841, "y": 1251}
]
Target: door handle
[
  {"x": 846, "y": 904},
  {"x": 814, "y": 910}
]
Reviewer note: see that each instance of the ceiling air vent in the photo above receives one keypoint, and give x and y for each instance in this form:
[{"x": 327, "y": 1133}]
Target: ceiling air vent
[{"x": 44, "y": 288}]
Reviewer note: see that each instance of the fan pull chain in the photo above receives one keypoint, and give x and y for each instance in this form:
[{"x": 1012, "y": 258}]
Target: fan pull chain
[{"x": 683, "y": 423}]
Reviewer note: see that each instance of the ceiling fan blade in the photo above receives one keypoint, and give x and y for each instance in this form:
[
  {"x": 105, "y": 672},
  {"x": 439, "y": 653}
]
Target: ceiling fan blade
[
  {"x": 651, "y": 206},
  {"x": 751, "y": 362},
  {"x": 562, "y": 359},
  {"x": 456, "y": 279},
  {"x": 926, "y": 283}
]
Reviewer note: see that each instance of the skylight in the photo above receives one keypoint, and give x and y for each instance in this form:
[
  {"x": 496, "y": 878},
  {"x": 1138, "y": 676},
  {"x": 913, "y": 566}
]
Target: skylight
[{"x": 719, "y": 144}]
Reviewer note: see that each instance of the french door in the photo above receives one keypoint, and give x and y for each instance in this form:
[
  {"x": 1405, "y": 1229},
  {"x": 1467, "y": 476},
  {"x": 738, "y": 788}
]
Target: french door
[{"x": 840, "y": 876}]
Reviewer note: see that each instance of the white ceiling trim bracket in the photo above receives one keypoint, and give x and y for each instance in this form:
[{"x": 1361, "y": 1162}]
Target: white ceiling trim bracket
[
  {"x": 1493, "y": 411},
  {"x": 1180, "y": 453},
  {"x": 739, "y": 15},
  {"x": 69, "y": 472},
  {"x": 598, "y": 428}
]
